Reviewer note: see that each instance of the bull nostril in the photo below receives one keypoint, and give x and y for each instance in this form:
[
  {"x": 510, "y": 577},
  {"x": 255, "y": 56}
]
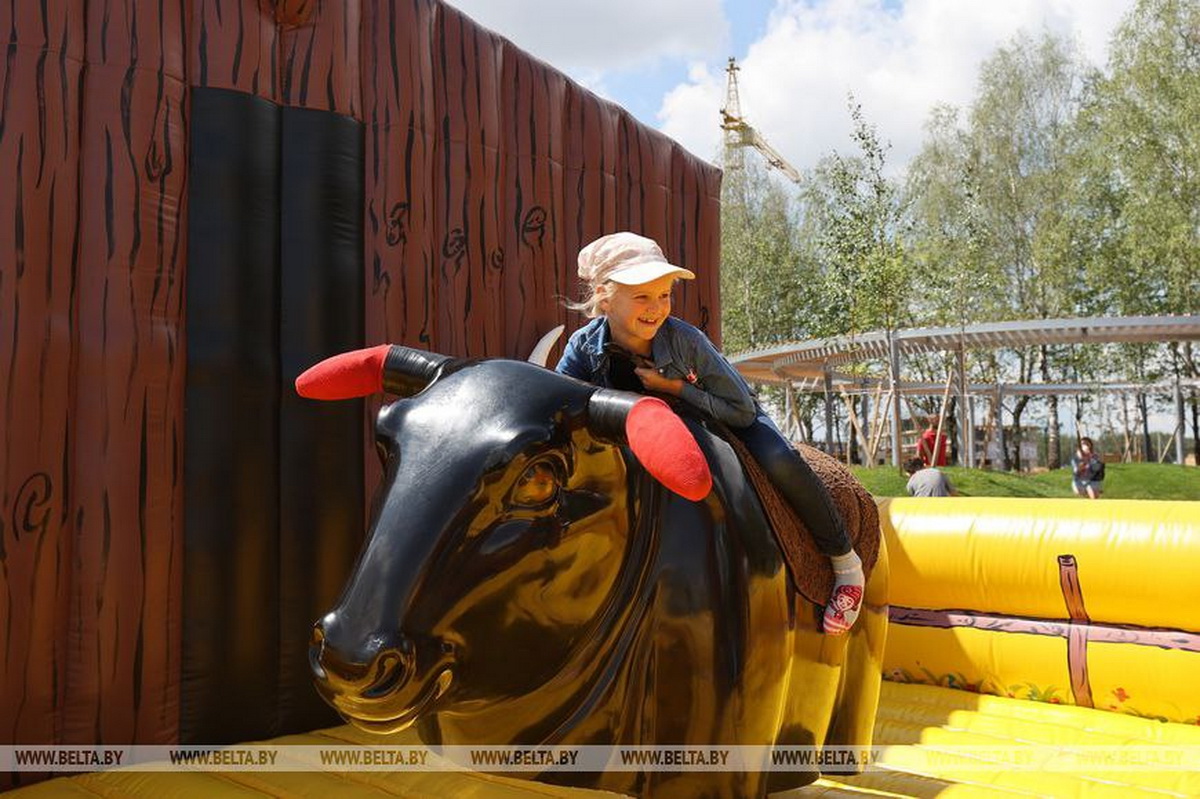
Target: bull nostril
[{"x": 392, "y": 668}]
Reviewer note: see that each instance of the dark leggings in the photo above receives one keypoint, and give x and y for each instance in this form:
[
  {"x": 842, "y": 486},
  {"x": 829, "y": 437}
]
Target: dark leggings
[{"x": 799, "y": 486}]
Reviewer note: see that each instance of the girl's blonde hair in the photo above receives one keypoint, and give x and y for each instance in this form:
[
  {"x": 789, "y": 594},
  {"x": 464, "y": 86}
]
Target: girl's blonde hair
[{"x": 593, "y": 295}]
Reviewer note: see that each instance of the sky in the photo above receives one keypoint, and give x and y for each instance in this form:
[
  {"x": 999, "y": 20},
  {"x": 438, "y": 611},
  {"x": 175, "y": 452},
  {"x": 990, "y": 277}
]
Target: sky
[{"x": 664, "y": 60}]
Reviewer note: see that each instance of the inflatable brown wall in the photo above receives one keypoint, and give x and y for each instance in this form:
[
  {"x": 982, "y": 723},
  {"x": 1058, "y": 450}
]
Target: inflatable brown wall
[{"x": 199, "y": 199}]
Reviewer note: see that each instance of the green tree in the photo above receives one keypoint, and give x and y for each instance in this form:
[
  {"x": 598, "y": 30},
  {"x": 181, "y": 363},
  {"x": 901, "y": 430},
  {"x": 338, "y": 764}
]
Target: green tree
[
  {"x": 957, "y": 284},
  {"x": 1144, "y": 118},
  {"x": 763, "y": 296},
  {"x": 948, "y": 240},
  {"x": 853, "y": 214},
  {"x": 1019, "y": 136},
  {"x": 865, "y": 275},
  {"x": 1140, "y": 123}
]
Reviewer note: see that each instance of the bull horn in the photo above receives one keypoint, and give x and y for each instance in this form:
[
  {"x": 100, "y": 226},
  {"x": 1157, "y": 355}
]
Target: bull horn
[
  {"x": 541, "y": 352},
  {"x": 659, "y": 439},
  {"x": 397, "y": 370}
]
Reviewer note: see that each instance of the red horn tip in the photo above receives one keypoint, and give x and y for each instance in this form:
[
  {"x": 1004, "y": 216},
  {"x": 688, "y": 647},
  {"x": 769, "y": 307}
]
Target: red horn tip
[
  {"x": 350, "y": 374},
  {"x": 665, "y": 446}
]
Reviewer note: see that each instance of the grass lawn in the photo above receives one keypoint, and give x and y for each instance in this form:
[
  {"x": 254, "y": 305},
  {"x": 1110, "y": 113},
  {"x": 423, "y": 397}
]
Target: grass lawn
[{"x": 1122, "y": 481}]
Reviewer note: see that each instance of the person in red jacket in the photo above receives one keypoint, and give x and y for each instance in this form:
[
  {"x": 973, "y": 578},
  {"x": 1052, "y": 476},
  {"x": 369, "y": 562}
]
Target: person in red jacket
[{"x": 930, "y": 442}]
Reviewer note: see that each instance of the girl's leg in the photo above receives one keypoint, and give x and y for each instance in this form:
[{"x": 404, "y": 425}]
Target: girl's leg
[
  {"x": 798, "y": 485},
  {"x": 812, "y": 503}
]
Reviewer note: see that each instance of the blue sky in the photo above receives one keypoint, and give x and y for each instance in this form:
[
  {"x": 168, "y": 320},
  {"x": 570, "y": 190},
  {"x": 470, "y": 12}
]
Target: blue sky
[{"x": 664, "y": 60}]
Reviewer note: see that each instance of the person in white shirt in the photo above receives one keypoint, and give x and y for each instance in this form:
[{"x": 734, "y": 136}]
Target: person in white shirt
[{"x": 927, "y": 481}]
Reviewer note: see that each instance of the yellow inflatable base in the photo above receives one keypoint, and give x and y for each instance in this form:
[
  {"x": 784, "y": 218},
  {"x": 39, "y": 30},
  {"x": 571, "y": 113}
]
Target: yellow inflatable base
[{"x": 918, "y": 730}]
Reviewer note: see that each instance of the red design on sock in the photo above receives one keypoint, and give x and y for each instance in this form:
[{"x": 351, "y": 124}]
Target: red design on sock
[{"x": 845, "y": 598}]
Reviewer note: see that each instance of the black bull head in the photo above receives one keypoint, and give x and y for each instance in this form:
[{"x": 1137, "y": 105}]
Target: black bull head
[{"x": 529, "y": 579}]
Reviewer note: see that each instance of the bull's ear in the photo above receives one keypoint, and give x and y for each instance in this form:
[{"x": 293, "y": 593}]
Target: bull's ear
[
  {"x": 360, "y": 373},
  {"x": 659, "y": 439}
]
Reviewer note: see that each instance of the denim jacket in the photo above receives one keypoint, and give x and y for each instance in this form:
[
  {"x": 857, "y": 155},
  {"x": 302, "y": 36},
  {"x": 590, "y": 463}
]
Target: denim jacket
[{"x": 679, "y": 351}]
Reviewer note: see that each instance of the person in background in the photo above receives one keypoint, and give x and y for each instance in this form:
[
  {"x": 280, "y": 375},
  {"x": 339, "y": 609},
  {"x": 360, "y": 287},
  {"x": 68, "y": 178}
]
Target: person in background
[
  {"x": 1087, "y": 470},
  {"x": 927, "y": 481},
  {"x": 930, "y": 442},
  {"x": 633, "y": 343}
]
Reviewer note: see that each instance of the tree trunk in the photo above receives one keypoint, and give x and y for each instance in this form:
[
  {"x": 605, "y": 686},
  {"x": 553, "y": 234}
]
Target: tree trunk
[
  {"x": 1001, "y": 438},
  {"x": 951, "y": 430},
  {"x": 1146, "y": 446},
  {"x": 1189, "y": 365},
  {"x": 852, "y": 451},
  {"x": 1195, "y": 427},
  {"x": 1053, "y": 447},
  {"x": 1126, "y": 455},
  {"x": 1053, "y": 455},
  {"x": 1018, "y": 409}
]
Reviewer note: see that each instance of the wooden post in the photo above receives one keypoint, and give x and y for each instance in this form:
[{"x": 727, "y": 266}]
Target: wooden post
[
  {"x": 880, "y": 422},
  {"x": 828, "y": 408},
  {"x": 894, "y": 361},
  {"x": 1176, "y": 436},
  {"x": 1077, "y": 635},
  {"x": 937, "y": 436},
  {"x": 856, "y": 427},
  {"x": 868, "y": 457},
  {"x": 788, "y": 413}
]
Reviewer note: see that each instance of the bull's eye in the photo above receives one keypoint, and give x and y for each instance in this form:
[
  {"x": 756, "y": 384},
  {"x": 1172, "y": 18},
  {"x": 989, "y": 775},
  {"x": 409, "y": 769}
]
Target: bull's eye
[{"x": 537, "y": 486}]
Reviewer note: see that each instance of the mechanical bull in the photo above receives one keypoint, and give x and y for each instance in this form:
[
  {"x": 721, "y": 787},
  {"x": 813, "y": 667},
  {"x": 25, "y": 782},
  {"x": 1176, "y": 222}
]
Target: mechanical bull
[{"x": 529, "y": 580}]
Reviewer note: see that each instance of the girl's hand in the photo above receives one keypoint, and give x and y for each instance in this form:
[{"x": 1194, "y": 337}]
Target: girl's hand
[{"x": 654, "y": 381}]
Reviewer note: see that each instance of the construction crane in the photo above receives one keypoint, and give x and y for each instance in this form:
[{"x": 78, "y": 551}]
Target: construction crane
[{"x": 739, "y": 133}]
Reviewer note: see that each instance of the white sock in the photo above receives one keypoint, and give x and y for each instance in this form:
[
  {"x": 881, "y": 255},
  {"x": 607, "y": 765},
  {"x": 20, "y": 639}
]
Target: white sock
[{"x": 846, "y": 600}]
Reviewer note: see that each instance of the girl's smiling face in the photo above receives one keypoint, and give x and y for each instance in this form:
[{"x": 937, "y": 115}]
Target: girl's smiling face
[{"x": 635, "y": 313}]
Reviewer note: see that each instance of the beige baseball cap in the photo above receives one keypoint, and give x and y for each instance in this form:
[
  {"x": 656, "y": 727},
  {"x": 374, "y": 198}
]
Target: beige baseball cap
[{"x": 628, "y": 259}]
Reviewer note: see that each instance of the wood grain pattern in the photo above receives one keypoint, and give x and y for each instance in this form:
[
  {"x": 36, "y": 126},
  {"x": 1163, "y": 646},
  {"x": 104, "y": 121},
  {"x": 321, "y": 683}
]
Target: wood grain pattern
[
  {"x": 319, "y": 55},
  {"x": 126, "y": 500},
  {"x": 40, "y": 76},
  {"x": 234, "y": 44}
]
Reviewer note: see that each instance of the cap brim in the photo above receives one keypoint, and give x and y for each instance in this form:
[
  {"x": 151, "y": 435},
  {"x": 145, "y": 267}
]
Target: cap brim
[{"x": 637, "y": 274}]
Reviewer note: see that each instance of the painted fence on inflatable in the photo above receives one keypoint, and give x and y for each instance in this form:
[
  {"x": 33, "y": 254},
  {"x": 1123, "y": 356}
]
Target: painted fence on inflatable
[
  {"x": 201, "y": 198},
  {"x": 1094, "y": 604}
]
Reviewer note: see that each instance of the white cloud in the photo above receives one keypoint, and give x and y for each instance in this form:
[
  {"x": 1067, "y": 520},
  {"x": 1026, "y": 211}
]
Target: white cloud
[
  {"x": 899, "y": 62},
  {"x": 587, "y": 39},
  {"x": 690, "y": 112}
]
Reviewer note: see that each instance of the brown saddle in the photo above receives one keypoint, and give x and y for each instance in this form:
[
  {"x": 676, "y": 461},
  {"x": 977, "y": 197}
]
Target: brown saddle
[{"x": 811, "y": 571}]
